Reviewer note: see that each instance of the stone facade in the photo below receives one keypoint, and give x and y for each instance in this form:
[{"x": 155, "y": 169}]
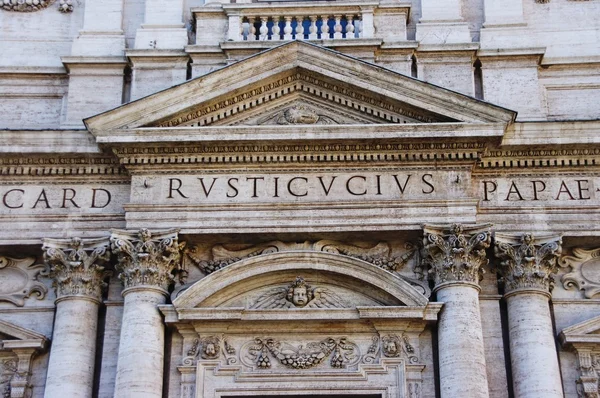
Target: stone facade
[{"x": 328, "y": 198}]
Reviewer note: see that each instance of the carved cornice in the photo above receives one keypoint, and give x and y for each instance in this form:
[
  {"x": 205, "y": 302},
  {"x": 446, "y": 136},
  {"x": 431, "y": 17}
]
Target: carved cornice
[
  {"x": 301, "y": 153},
  {"x": 20, "y": 279},
  {"x": 533, "y": 158},
  {"x": 76, "y": 266},
  {"x": 217, "y": 110},
  {"x": 146, "y": 258},
  {"x": 60, "y": 165},
  {"x": 527, "y": 262},
  {"x": 455, "y": 253},
  {"x": 582, "y": 275}
]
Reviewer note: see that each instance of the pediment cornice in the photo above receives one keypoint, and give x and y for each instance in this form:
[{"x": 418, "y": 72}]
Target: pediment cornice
[
  {"x": 292, "y": 69},
  {"x": 586, "y": 332}
]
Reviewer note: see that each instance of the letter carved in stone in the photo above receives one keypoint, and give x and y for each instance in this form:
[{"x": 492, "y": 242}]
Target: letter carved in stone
[
  {"x": 19, "y": 280},
  {"x": 585, "y": 271},
  {"x": 527, "y": 262},
  {"x": 299, "y": 294},
  {"x": 146, "y": 258},
  {"x": 455, "y": 253},
  {"x": 77, "y": 266}
]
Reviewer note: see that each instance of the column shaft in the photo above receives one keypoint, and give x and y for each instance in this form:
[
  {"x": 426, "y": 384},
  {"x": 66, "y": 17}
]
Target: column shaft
[
  {"x": 533, "y": 354},
  {"x": 460, "y": 341},
  {"x": 72, "y": 355},
  {"x": 140, "y": 364}
]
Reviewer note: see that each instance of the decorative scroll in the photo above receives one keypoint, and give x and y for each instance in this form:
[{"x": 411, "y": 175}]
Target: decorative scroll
[
  {"x": 527, "y": 262},
  {"x": 299, "y": 294},
  {"x": 339, "y": 353},
  {"x": 76, "y": 266},
  {"x": 585, "y": 271},
  {"x": 455, "y": 253},
  {"x": 19, "y": 280},
  {"x": 378, "y": 255}
]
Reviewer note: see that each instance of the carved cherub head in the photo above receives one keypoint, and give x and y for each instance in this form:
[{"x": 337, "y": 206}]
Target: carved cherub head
[{"x": 299, "y": 293}]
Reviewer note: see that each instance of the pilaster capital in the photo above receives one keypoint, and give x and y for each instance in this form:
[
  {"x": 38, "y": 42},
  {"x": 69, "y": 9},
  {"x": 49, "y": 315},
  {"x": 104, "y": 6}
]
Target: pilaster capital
[
  {"x": 455, "y": 253},
  {"x": 77, "y": 266},
  {"x": 146, "y": 258},
  {"x": 527, "y": 262}
]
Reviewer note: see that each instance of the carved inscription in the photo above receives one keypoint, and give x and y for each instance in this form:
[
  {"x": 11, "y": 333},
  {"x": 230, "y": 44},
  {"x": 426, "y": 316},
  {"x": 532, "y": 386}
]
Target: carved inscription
[
  {"x": 27, "y": 198},
  {"x": 581, "y": 190}
]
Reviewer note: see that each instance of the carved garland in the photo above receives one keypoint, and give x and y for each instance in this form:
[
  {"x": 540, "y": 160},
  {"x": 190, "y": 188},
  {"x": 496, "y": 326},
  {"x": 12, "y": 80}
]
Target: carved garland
[{"x": 65, "y": 6}]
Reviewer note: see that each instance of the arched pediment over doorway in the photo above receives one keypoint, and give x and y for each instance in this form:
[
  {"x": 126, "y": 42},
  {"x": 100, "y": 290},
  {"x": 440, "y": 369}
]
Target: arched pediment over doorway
[{"x": 351, "y": 282}]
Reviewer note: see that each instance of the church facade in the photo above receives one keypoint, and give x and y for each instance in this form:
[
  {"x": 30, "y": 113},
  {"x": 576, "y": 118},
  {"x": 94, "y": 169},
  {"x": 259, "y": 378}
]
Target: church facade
[{"x": 362, "y": 198}]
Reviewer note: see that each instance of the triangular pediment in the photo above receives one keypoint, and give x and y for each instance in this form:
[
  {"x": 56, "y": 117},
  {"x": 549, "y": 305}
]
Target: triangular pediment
[
  {"x": 587, "y": 331},
  {"x": 14, "y": 336},
  {"x": 298, "y": 83}
]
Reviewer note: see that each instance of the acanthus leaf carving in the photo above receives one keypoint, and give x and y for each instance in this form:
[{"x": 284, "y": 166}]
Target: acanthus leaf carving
[
  {"x": 298, "y": 294},
  {"x": 455, "y": 253},
  {"x": 19, "y": 280},
  {"x": 77, "y": 266},
  {"x": 583, "y": 274},
  {"x": 146, "y": 258},
  {"x": 527, "y": 262}
]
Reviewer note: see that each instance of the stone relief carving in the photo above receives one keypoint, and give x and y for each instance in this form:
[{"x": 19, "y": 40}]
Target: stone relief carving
[
  {"x": 8, "y": 369},
  {"x": 456, "y": 253},
  {"x": 209, "y": 347},
  {"x": 527, "y": 262},
  {"x": 585, "y": 271},
  {"x": 76, "y": 266},
  {"x": 394, "y": 346},
  {"x": 146, "y": 258},
  {"x": 588, "y": 382},
  {"x": 379, "y": 255},
  {"x": 298, "y": 114},
  {"x": 299, "y": 294},
  {"x": 19, "y": 280},
  {"x": 26, "y": 5},
  {"x": 340, "y": 353},
  {"x": 65, "y": 6}
]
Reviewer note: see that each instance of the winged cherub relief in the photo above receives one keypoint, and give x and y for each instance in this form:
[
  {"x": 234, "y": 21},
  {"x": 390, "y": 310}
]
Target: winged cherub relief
[{"x": 299, "y": 294}]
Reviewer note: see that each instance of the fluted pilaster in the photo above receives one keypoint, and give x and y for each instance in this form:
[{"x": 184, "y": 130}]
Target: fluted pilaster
[
  {"x": 454, "y": 256},
  {"x": 527, "y": 265}
]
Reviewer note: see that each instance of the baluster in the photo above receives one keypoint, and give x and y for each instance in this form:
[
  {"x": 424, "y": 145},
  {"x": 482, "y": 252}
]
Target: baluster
[
  {"x": 350, "y": 27},
  {"x": 360, "y": 28},
  {"x": 251, "y": 29},
  {"x": 287, "y": 30},
  {"x": 325, "y": 27},
  {"x": 264, "y": 31},
  {"x": 242, "y": 28},
  {"x": 299, "y": 35},
  {"x": 337, "y": 29},
  {"x": 312, "y": 35},
  {"x": 276, "y": 29}
]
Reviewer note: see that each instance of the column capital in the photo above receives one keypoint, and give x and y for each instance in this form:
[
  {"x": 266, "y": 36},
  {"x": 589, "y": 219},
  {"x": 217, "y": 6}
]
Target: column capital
[
  {"x": 527, "y": 262},
  {"x": 77, "y": 266},
  {"x": 146, "y": 258},
  {"x": 455, "y": 253}
]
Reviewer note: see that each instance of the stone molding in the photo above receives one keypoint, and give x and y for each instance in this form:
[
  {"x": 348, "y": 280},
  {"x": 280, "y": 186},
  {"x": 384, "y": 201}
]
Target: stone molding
[
  {"x": 527, "y": 263},
  {"x": 455, "y": 253},
  {"x": 77, "y": 266},
  {"x": 146, "y": 258},
  {"x": 20, "y": 279}
]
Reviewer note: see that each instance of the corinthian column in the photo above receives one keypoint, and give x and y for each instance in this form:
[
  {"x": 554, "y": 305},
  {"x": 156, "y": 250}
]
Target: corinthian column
[
  {"x": 527, "y": 266},
  {"x": 76, "y": 267},
  {"x": 454, "y": 256},
  {"x": 145, "y": 262}
]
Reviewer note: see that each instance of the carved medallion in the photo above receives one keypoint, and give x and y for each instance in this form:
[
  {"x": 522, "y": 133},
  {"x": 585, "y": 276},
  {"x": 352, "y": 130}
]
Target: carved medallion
[
  {"x": 585, "y": 271},
  {"x": 19, "y": 280},
  {"x": 299, "y": 294}
]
